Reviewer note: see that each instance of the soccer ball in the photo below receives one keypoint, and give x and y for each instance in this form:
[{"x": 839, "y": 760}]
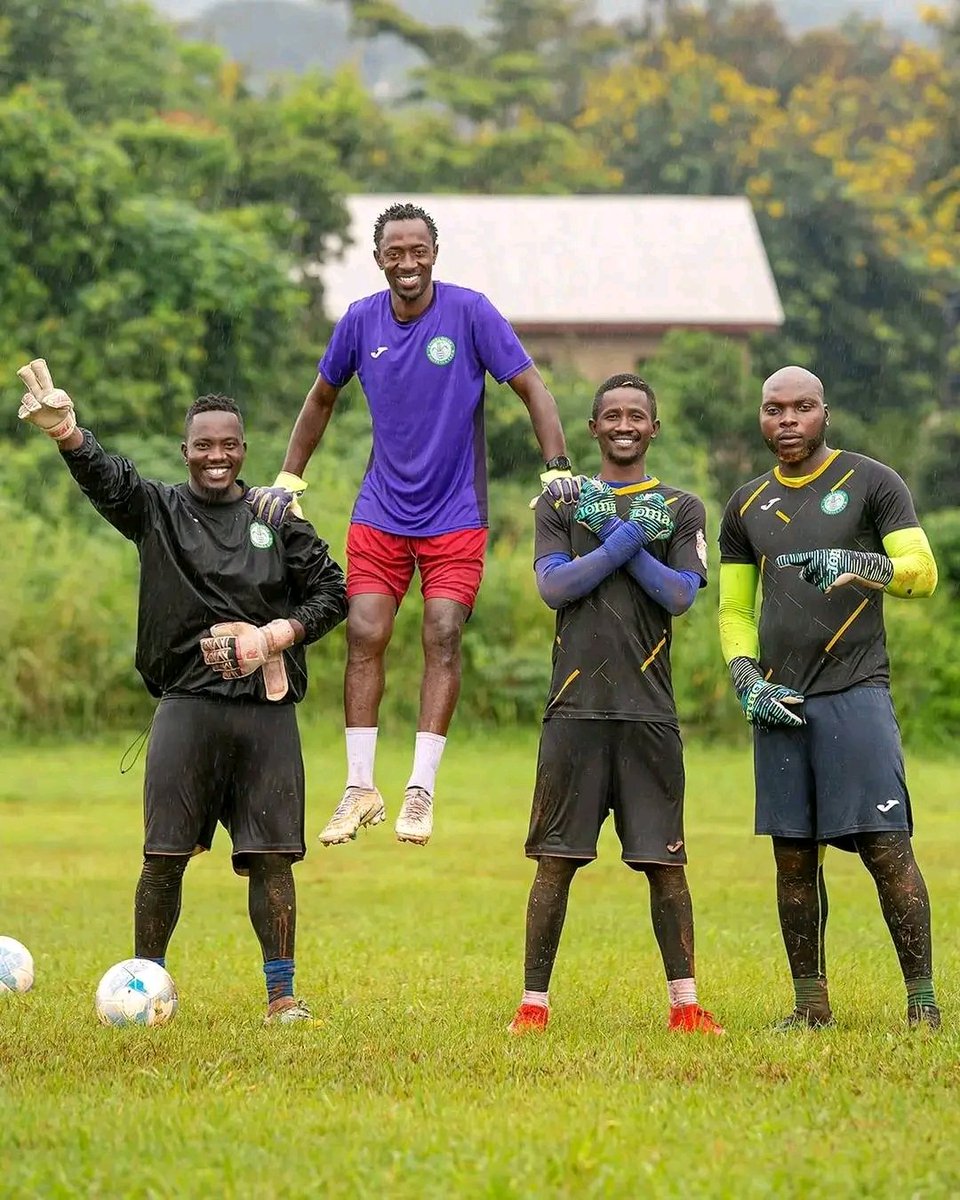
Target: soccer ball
[
  {"x": 136, "y": 992},
  {"x": 16, "y": 966}
]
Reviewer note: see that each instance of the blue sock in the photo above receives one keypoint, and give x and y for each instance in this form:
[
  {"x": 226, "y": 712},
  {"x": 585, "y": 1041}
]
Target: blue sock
[
  {"x": 279, "y": 973},
  {"x": 161, "y": 962}
]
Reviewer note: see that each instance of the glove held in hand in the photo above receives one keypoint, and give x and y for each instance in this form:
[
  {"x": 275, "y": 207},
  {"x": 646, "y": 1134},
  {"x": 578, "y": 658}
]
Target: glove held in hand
[{"x": 236, "y": 649}]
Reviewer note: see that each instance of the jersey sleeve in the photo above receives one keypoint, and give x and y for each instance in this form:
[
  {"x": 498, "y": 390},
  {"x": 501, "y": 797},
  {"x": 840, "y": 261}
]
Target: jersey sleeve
[
  {"x": 890, "y": 504},
  {"x": 339, "y": 362},
  {"x": 112, "y": 485},
  {"x": 734, "y": 544},
  {"x": 497, "y": 345},
  {"x": 551, "y": 530},
  {"x": 687, "y": 548},
  {"x": 317, "y": 588}
]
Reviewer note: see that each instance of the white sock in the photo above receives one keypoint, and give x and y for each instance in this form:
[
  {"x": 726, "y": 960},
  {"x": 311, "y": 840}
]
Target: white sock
[
  {"x": 539, "y": 998},
  {"x": 426, "y": 760},
  {"x": 682, "y": 991},
  {"x": 361, "y": 753}
]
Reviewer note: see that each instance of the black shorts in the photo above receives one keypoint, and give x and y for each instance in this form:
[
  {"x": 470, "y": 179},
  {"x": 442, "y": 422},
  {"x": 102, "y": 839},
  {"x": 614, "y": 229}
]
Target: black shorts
[
  {"x": 838, "y": 775},
  {"x": 588, "y": 768},
  {"x": 239, "y": 764}
]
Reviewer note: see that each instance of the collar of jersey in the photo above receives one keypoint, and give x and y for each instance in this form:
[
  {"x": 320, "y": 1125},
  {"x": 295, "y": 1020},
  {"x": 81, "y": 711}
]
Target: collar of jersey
[
  {"x": 628, "y": 489},
  {"x": 799, "y": 481}
]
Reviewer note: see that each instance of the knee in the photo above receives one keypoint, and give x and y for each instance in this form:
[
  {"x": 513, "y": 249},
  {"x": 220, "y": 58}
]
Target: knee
[
  {"x": 557, "y": 871},
  {"x": 666, "y": 883},
  {"x": 368, "y": 634},
  {"x": 164, "y": 870},
  {"x": 442, "y": 634},
  {"x": 264, "y": 865}
]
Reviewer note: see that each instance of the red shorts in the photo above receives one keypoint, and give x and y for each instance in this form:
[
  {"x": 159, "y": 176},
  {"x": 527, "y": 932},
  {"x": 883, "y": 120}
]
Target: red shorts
[{"x": 451, "y": 564}]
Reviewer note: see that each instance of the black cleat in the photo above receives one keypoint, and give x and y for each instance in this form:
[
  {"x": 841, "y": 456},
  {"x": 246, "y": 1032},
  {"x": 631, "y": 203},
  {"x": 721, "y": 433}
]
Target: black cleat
[
  {"x": 805, "y": 1018},
  {"x": 923, "y": 1016}
]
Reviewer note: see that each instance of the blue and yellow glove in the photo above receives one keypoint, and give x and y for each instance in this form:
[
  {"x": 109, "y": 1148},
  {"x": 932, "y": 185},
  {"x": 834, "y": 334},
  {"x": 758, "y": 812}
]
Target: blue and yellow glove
[
  {"x": 560, "y": 487},
  {"x": 827, "y": 569},
  {"x": 650, "y": 512},
  {"x": 764, "y": 704},
  {"x": 271, "y": 504}
]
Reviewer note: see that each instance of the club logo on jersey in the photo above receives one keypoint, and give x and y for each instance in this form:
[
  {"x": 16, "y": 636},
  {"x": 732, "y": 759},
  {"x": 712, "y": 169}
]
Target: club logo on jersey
[
  {"x": 261, "y": 535},
  {"x": 834, "y": 503},
  {"x": 441, "y": 351},
  {"x": 702, "y": 548}
]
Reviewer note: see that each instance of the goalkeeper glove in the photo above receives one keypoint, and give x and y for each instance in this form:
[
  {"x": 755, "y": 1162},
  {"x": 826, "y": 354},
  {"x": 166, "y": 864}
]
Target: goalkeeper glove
[
  {"x": 763, "y": 703},
  {"x": 561, "y": 487},
  {"x": 596, "y": 506},
  {"x": 236, "y": 648},
  {"x": 46, "y": 406},
  {"x": 650, "y": 512},
  {"x": 827, "y": 569},
  {"x": 271, "y": 504}
]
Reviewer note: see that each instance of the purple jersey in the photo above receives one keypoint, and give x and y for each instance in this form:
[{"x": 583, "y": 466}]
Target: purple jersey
[{"x": 424, "y": 383}]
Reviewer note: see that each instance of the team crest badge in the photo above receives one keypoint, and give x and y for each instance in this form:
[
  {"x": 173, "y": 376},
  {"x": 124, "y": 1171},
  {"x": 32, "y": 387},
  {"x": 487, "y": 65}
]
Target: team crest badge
[
  {"x": 441, "y": 351},
  {"x": 261, "y": 535},
  {"x": 702, "y": 548},
  {"x": 834, "y": 503}
]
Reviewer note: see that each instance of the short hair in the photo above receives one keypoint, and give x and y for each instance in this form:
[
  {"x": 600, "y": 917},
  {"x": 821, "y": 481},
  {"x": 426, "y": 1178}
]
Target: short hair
[
  {"x": 403, "y": 212},
  {"x": 626, "y": 380},
  {"x": 213, "y": 402}
]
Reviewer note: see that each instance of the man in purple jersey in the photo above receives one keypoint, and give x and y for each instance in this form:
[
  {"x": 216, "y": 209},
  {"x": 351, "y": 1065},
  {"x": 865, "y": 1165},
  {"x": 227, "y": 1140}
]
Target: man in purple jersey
[{"x": 421, "y": 350}]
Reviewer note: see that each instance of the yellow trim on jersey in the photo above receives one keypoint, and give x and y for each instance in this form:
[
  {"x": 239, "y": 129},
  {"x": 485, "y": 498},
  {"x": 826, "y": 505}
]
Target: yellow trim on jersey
[
  {"x": 739, "y": 636},
  {"x": 783, "y": 517},
  {"x": 841, "y": 482},
  {"x": 751, "y": 499},
  {"x": 800, "y": 481},
  {"x": 846, "y": 625},
  {"x": 914, "y": 567},
  {"x": 629, "y": 488},
  {"x": 566, "y": 683},
  {"x": 656, "y": 650}
]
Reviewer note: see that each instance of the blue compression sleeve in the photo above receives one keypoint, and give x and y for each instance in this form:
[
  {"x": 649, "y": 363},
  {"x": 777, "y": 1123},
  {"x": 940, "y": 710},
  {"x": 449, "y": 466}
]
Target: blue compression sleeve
[
  {"x": 673, "y": 590},
  {"x": 561, "y": 580}
]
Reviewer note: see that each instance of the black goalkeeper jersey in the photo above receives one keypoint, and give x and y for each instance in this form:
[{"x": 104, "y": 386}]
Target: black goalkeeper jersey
[
  {"x": 611, "y": 652},
  {"x": 810, "y": 641},
  {"x": 201, "y": 564}
]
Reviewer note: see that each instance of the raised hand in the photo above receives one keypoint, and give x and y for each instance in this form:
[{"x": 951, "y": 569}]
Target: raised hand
[
  {"x": 271, "y": 504},
  {"x": 827, "y": 569},
  {"x": 46, "y": 406},
  {"x": 764, "y": 703},
  {"x": 649, "y": 511}
]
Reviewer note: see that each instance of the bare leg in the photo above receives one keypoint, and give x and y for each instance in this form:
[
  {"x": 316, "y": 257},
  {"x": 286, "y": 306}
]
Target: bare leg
[
  {"x": 369, "y": 628},
  {"x": 443, "y": 622}
]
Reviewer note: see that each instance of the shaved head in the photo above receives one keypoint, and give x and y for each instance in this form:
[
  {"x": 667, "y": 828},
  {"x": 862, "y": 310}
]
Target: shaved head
[{"x": 796, "y": 380}]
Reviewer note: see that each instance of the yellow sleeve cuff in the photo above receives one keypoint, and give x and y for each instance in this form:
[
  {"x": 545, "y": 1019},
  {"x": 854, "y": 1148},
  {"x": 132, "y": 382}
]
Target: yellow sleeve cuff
[
  {"x": 914, "y": 567},
  {"x": 739, "y": 635}
]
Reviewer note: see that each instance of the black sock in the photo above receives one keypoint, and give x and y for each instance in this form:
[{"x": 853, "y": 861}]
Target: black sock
[
  {"x": 671, "y": 911},
  {"x": 905, "y": 905},
  {"x": 157, "y": 903},
  {"x": 272, "y": 902},
  {"x": 546, "y": 910},
  {"x": 802, "y": 907}
]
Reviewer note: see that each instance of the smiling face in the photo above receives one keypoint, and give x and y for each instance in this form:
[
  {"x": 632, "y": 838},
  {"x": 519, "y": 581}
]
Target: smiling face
[
  {"x": 406, "y": 255},
  {"x": 794, "y": 418},
  {"x": 214, "y": 452},
  {"x": 624, "y": 427}
]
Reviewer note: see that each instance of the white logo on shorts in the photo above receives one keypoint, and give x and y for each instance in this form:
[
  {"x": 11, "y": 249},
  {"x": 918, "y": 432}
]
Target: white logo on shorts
[{"x": 885, "y": 808}]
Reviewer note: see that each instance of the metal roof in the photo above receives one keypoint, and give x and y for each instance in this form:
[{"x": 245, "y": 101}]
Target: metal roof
[{"x": 590, "y": 263}]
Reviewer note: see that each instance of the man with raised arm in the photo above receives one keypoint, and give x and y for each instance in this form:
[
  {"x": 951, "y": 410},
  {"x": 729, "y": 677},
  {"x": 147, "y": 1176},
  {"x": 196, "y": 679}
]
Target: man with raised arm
[{"x": 226, "y": 608}]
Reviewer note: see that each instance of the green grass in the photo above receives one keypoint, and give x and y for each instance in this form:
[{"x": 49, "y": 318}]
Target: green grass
[{"x": 409, "y": 1087}]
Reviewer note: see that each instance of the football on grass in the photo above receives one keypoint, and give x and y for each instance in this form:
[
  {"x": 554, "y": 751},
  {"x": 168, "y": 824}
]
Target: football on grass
[
  {"x": 16, "y": 966},
  {"x": 136, "y": 992}
]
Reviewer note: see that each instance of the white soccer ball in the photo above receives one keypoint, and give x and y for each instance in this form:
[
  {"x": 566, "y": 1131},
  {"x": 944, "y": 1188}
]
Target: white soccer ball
[
  {"x": 16, "y": 966},
  {"x": 136, "y": 992}
]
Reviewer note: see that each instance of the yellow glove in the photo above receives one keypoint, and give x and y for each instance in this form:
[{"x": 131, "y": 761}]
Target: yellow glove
[
  {"x": 296, "y": 485},
  {"x": 561, "y": 487}
]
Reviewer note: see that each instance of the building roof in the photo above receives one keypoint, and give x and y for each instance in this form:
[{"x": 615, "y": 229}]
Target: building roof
[{"x": 585, "y": 263}]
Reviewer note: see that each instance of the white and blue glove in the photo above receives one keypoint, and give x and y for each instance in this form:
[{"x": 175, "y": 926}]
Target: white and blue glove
[
  {"x": 764, "y": 704},
  {"x": 827, "y": 569}
]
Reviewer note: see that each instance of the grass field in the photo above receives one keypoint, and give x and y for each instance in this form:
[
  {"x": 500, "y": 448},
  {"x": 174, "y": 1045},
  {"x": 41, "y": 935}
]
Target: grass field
[{"x": 409, "y": 1087}]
